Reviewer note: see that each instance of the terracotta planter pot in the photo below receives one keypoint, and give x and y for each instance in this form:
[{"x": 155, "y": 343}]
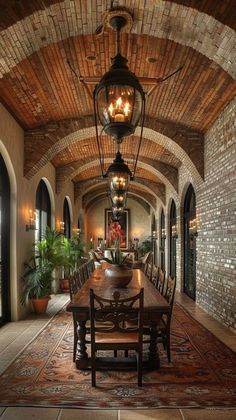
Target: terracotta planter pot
[
  {"x": 118, "y": 275},
  {"x": 40, "y": 305},
  {"x": 64, "y": 285}
]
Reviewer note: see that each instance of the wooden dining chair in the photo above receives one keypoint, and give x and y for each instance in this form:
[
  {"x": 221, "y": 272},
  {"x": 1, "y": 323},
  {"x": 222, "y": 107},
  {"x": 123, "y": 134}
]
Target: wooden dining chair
[
  {"x": 74, "y": 286},
  {"x": 83, "y": 273},
  {"x": 90, "y": 267},
  {"x": 148, "y": 270},
  {"x": 108, "y": 318},
  {"x": 148, "y": 260},
  {"x": 164, "y": 324},
  {"x": 160, "y": 283},
  {"x": 155, "y": 274}
]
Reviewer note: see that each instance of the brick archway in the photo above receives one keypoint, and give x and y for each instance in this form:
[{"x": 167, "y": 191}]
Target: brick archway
[
  {"x": 42, "y": 144},
  {"x": 191, "y": 28}
]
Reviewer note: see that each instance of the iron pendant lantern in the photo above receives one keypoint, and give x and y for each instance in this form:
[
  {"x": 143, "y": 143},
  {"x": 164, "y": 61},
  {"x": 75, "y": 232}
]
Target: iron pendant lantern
[
  {"x": 119, "y": 98},
  {"x": 118, "y": 175}
]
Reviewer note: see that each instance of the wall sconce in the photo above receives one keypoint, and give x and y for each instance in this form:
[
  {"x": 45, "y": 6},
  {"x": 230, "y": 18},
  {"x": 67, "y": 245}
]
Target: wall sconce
[
  {"x": 100, "y": 242},
  {"x": 32, "y": 221},
  {"x": 193, "y": 227},
  {"x": 174, "y": 232},
  {"x": 154, "y": 235},
  {"x": 91, "y": 242},
  {"x": 76, "y": 231},
  {"x": 136, "y": 241},
  {"x": 163, "y": 233},
  {"x": 62, "y": 227}
]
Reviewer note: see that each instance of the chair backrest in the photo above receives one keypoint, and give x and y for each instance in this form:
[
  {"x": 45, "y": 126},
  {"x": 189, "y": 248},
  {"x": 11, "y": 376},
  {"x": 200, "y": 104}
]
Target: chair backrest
[
  {"x": 90, "y": 267},
  {"x": 155, "y": 274},
  {"x": 74, "y": 283},
  {"x": 170, "y": 290},
  {"x": 116, "y": 315},
  {"x": 149, "y": 260},
  {"x": 83, "y": 273},
  {"x": 148, "y": 270},
  {"x": 160, "y": 285}
]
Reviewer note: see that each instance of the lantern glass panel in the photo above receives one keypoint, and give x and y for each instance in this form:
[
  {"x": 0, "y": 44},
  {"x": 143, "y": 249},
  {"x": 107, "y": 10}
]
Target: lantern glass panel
[
  {"x": 118, "y": 199},
  {"x": 118, "y": 181},
  {"x": 119, "y": 104}
]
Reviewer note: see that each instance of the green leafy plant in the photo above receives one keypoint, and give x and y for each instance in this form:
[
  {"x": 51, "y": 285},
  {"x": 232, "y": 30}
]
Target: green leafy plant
[
  {"x": 117, "y": 257},
  {"x": 145, "y": 247},
  {"x": 37, "y": 281},
  {"x": 72, "y": 251},
  {"x": 38, "y": 270}
]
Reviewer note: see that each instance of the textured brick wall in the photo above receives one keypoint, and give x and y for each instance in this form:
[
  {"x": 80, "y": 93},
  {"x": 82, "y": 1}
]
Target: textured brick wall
[{"x": 216, "y": 202}]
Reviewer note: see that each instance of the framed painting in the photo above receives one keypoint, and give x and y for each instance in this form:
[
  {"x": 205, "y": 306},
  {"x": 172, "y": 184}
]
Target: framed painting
[{"x": 115, "y": 230}]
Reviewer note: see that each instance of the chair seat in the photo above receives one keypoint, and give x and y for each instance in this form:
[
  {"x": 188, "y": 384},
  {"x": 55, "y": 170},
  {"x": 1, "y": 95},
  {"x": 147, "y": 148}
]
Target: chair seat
[{"x": 117, "y": 337}]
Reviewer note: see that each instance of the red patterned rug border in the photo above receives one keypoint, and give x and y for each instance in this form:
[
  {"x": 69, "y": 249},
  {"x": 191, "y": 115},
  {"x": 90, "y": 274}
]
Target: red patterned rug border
[{"x": 123, "y": 395}]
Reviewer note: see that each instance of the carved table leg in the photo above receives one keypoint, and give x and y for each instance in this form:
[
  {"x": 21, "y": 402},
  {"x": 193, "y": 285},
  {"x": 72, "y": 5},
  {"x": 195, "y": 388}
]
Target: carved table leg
[
  {"x": 154, "y": 360},
  {"x": 81, "y": 354}
]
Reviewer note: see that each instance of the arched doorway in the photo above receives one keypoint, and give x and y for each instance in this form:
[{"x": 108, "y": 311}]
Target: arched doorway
[
  {"x": 66, "y": 219},
  {"x": 189, "y": 244},
  {"x": 4, "y": 243},
  {"x": 162, "y": 240},
  {"x": 43, "y": 210},
  {"x": 172, "y": 239}
]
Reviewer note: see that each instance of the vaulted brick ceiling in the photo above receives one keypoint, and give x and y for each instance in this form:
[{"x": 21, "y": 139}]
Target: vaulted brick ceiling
[{"x": 39, "y": 87}]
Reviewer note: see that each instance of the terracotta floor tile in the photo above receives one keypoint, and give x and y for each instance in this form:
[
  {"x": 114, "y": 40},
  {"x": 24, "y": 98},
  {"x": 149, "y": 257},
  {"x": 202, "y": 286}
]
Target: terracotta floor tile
[
  {"x": 209, "y": 414},
  {"x": 30, "y": 413},
  {"x": 159, "y": 414},
  {"x": 72, "y": 414}
]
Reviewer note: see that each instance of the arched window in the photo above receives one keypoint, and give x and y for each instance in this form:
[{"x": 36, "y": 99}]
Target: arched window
[
  {"x": 172, "y": 239},
  {"x": 66, "y": 219},
  {"x": 154, "y": 238},
  {"x": 4, "y": 243},
  {"x": 189, "y": 244},
  {"x": 162, "y": 240},
  {"x": 43, "y": 210}
]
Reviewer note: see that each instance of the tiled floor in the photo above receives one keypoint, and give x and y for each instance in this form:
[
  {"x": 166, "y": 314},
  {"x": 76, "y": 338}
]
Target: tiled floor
[{"x": 17, "y": 335}]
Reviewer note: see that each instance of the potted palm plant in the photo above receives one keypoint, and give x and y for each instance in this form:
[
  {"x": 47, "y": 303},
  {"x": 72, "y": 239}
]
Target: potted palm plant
[
  {"x": 72, "y": 252},
  {"x": 38, "y": 273}
]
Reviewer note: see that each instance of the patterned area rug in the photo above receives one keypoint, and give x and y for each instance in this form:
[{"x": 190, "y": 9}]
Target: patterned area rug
[{"x": 202, "y": 373}]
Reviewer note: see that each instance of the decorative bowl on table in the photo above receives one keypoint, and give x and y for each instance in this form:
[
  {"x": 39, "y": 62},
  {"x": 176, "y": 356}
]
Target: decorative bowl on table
[{"x": 119, "y": 275}]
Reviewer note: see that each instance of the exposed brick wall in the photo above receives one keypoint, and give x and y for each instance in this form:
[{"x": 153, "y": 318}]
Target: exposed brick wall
[{"x": 216, "y": 203}]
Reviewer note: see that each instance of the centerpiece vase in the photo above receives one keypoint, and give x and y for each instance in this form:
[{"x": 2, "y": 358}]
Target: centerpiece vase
[{"x": 119, "y": 275}]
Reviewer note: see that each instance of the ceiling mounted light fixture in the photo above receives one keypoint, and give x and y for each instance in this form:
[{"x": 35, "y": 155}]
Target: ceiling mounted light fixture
[
  {"x": 119, "y": 106},
  {"x": 119, "y": 99},
  {"x": 118, "y": 175}
]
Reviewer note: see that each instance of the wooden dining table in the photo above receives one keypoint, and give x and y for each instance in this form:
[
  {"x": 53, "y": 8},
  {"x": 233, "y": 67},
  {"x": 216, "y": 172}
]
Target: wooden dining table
[{"x": 155, "y": 306}]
